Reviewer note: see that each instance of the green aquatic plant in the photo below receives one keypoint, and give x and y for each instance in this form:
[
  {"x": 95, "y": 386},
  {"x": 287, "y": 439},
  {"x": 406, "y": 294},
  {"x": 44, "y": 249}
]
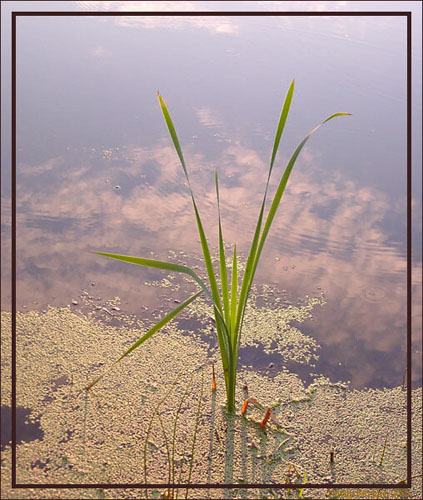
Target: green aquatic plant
[{"x": 228, "y": 305}]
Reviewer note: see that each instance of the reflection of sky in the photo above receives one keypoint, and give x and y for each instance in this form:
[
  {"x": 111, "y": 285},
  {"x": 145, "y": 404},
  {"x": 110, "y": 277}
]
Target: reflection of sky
[
  {"x": 342, "y": 221},
  {"x": 328, "y": 234},
  {"x": 99, "y": 74}
]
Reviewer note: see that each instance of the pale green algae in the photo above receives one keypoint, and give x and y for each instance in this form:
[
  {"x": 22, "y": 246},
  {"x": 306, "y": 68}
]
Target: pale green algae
[
  {"x": 270, "y": 328},
  {"x": 267, "y": 327},
  {"x": 103, "y": 441}
]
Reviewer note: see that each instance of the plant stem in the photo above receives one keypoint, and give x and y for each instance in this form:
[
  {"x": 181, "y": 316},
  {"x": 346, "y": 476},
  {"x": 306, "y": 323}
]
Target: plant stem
[
  {"x": 231, "y": 389},
  {"x": 197, "y": 420}
]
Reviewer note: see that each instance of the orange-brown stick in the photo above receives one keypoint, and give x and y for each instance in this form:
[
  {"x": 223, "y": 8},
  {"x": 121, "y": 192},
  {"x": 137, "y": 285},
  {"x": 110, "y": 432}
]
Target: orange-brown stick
[
  {"x": 213, "y": 379},
  {"x": 244, "y": 406},
  {"x": 266, "y": 418}
]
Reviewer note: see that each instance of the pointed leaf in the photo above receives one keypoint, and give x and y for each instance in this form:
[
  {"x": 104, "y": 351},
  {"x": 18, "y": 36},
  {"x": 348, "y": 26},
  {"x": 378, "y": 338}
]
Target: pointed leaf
[
  {"x": 220, "y": 323},
  {"x": 282, "y": 184},
  {"x": 234, "y": 294},
  {"x": 222, "y": 260},
  {"x": 173, "y": 134},
  {"x": 158, "y": 264},
  {"x": 249, "y": 268},
  {"x": 204, "y": 244},
  {"x": 281, "y": 125},
  {"x": 272, "y": 212},
  {"x": 207, "y": 259}
]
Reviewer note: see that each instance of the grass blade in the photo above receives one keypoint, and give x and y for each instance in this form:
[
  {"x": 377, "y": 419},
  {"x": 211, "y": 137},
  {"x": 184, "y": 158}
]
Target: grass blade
[
  {"x": 249, "y": 268},
  {"x": 300, "y": 494},
  {"x": 225, "y": 344},
  {"x": 246, "y": 279},
  {"x": 234, "y": 293},
  {"x": 272, "y": 212},
  {"x": 159, "y": 264},
  {"x": 207, "y": 260},
  {"x": 281, "y": 187},
  {"x": 281, "y": 126},
  {"x": 169, "y": 266},
  {"x": 173, "y": 135},
  {"x": 150, "y": 332},
  {"x": 160, "y": 324},
  {"x": 222, "y": 260},
  {"x": 204, "y": 244}
]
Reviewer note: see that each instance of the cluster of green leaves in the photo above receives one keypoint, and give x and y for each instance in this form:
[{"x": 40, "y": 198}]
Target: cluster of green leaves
[{"x": 229, "y": 303}]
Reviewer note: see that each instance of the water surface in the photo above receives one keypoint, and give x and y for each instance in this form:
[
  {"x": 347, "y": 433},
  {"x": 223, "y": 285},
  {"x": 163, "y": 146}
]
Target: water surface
[{"x": 96, "y": 169}]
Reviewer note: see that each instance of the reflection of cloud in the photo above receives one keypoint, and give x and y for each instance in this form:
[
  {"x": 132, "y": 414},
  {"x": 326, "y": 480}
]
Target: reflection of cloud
[
  {"x": 215, "y": 24},
  {"x": 41, "y": 168},
  {"x": 306, "y": 5},
  {"x": 328, "y": 233},
  {"x": 208, "y": 117},
  {"x": 340, "y": 27},
  {"x": 99, "y": 51},
  {"x": 87, "y": 5}
]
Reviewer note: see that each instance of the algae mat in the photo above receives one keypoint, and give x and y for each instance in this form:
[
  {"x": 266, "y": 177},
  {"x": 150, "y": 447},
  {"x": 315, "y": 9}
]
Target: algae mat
[{"x": 111, "y": 437}]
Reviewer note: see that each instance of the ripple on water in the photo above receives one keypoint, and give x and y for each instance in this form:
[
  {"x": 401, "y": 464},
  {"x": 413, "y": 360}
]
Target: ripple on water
[{"x": 373, "y": 293}]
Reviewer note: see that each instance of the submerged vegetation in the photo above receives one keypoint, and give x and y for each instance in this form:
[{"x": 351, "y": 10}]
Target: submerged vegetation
[{"x": 229, "y": 304}]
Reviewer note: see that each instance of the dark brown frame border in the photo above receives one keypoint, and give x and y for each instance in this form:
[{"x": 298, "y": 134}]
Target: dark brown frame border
[{"x": 405, "y": 14}]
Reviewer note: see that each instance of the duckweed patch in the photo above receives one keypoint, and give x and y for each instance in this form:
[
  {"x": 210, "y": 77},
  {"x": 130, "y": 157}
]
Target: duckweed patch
[
  {"x": 271, "y": 329},
  {"x": 103, "y": 441}
]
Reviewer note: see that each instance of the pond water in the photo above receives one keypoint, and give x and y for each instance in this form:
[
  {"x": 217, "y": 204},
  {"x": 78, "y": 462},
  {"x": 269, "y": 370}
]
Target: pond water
[
  {"x": 96, "y": 169},
  {"x": 150, "y": 424}
]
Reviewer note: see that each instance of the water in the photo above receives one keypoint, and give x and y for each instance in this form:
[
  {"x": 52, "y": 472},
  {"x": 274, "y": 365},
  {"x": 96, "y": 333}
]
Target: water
[
  {"x": 96, "y": 169},
  {"x": 26, "y": 430}
]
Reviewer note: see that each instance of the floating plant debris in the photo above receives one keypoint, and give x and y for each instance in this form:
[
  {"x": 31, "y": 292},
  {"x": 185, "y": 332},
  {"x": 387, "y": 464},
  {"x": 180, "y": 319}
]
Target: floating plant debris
[{"x": 324, "y": 416}]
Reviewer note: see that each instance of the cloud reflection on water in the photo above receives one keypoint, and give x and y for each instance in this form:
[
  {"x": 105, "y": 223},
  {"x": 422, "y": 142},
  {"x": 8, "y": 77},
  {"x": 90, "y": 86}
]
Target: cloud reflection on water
[
  {"x": 218, "y": 25},
  {"x": 328, "y": 234}
]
